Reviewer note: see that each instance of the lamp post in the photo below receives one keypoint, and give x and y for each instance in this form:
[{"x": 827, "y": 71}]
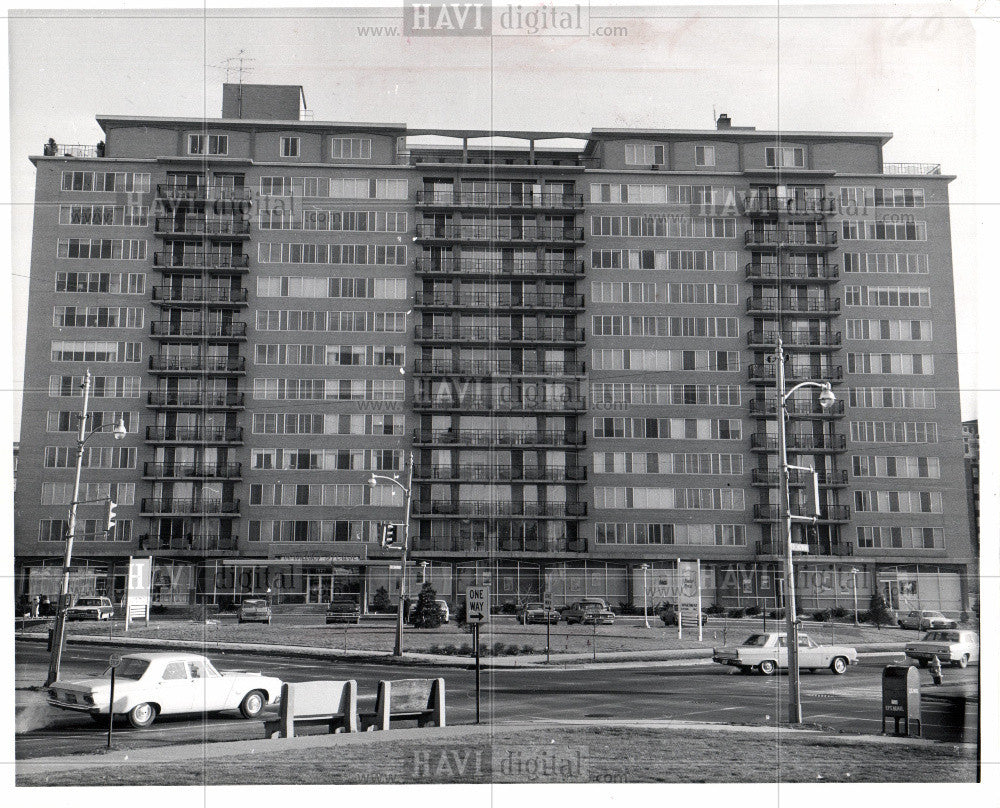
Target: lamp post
[
  {"x": 59, "y": 628},
  {"x": 408, "y": 491},
  {"x": 423, "y": 572},
  {"x": 854, "y": 586},
  {"x": 645, "y": 609},
  {"x": 826, "y": 398}
]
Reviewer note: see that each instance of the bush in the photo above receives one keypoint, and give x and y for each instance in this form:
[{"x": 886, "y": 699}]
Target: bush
[
  {"x": 715, "y": 608},
  {"x": 878, "y": 611},
  {"x": 864, "y": 617},
  {"x": 513, "y": 650},
  {"x": 460, "y": 613},
  {"x": 736, "y": 613},
  {"x": 838, "y": 612},
  {"x": 465, "y": 649},
  {"x": 508, "y": 608},
  {"x": 498, "y": 648},
  {"x": 753, "y": 611},
  {"x": 527, "y": 649},
  {"x": 776, "y": 614},
  {"x": 450, "y": 649},
  {"x": 381, "y": 603},
  {"x": 426, "y": 613},
  {"x": 821, "y": 616}
]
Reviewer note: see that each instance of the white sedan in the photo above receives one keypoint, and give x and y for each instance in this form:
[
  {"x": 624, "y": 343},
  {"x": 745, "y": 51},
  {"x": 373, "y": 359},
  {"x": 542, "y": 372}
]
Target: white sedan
[
  {"x": 147, "y": 685},
  {"x": 949, "y": 646}
]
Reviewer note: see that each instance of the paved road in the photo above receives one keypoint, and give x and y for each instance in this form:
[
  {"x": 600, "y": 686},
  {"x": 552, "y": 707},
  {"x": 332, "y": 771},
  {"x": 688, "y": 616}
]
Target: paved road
[{"x": 696, "y": 692}]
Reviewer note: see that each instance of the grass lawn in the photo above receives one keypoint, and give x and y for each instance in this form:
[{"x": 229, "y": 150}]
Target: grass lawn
[
  {"x": 379, "y": 636},
  {"x": 559, "y": 754}
]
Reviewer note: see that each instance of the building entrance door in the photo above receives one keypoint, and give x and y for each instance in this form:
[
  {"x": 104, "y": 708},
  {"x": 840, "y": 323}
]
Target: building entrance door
[{"x": 319, "y": 587}]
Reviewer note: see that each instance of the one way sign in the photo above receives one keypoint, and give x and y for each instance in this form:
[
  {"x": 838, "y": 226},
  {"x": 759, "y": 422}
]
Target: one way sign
[{"x": 476, "y": 598}]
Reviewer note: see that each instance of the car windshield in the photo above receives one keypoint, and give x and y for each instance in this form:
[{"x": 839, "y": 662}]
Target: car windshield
[
  {"x": 756, "y": 639},
  {"x": 254, "y": 603},
  {"x": 533, "y": 606},
  {"x": 941, "y": 636},
  {"x": 89, "y": 602},
  {"x": 131, "y": 668}
]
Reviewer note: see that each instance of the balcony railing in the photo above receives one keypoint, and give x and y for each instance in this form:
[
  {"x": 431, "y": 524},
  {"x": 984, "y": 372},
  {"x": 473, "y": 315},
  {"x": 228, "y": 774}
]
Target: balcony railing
[
  {"x": 443, "y": 507},
  {"x": 769, "y": 305},
  {"x": 539, "y": 403},
  {"x": 799, "y": 443},
  {"x": 194, "y": 434},
  {"x": 793, "y": 272},
  {"x": 170, "y": 471},
  {"x": 169, "y": 505},
  {"x": 796, "y": 408},
  {"x": 476, "y": 333},
  {"x": 829, "y": 479},
  {"x": 203, "y": 193},
  {"x": 501, "y": 473},
  {"x": 486, "y": 300},
  {"x": 794, "y": 339},
  {"x": 766, "y": 373},
  {"x": 210, "y": 364},
  {"x": 201, "y": 226},
  {"x": 486, "y": 437},
  {"x": 471, "y": 232},
  {"x": 194, "y": 399},
  {"x": 500, "y": 267},
  {"x": 470, "y": 545},
  {"x": 830, "y": 513},
  {"x": 167, "y": 328},
  {"x": 790, "y": 237},
  {"x": 489, "y": 199},
  {"x": 485, "y": 367},
  {"x": 843, "y": 548},
  {"x": 199, "y": 294},
  {"x": 764, "y": 204},
  {"x": 190, "y": 542},
  {"x": 53, "y": 149},
  {"x": 911, "y": 168},
  {"x": 200, "y": 260}
]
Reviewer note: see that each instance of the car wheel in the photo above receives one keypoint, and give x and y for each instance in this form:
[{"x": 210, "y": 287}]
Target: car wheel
[
  {"x": 142, "y": 715},
  {"x": 964, "y": 661},
  {"x": 767, "y": 667},
  {"x": 839, "y": 665},
  {"x": 253, "y": 704}
]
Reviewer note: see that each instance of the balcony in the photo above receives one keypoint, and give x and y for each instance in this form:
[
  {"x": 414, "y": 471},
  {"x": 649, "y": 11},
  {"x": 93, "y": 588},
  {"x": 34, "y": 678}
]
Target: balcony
[
  {"x": 817, "y": 273},
  {"x": 544, "y": 268},
  {"x": 194, "y": 434},
  {"x": 488, "y": 300},
  {"x": 188, "y": 226},
  {"x": 485, "y": 200},
  {"x": 911, "y": 168},
  {"x": 198, "y": 543},
  {"x": 486, "y": 508},
  {"x": 53, "y": 149},
  {"x": 760, "y": 442},
  {"x": 208, "y": 259},
  {"x": 492, "y": 233},
  {"x": 160, "y": 329},
  {"x": 766, "y": 548},
  {"x": 180, "y": 471},
  {"x": 800, "y": 340},
  {"x": 791, "y": 238},
  {"x": 490, "y": 368},
  {"x": 212, "y": 295},
  {"x": 764, "y": 374},
  {"x": 465, "y": 546},
  {"x": 796, "y": 409},
  {"x": 490, "y": 334},
  {"x": 828, "y": 514},
  {"x": 166, "y": 399},
  {"x": 204, "y": 193},
  {"x": 532, "y": 404},
  {"x": 793, "y": 305},
  {"x": 197, "y": 364},
  {"x": 768, "y": 205},
  {"x": 168, "y": 506},
  {"x": 508, "y": 438},
  {"x": 501, "y": 473},
  {"x": 827, "y": 479}
]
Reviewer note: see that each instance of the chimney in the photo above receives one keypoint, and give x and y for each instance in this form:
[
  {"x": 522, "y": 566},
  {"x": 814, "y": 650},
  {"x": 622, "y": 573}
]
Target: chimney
[{"x": 724, "y": 122}]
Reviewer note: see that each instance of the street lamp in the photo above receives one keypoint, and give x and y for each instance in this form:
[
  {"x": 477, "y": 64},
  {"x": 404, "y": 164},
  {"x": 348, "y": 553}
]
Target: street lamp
[
  {"x": 826, "y": 398},
  {"x": 59, "y": 628},
  {"x": 854, "y": 582},
  {"x": 423, "y": 572},
  {"x": 408, "y": 491},
  {"x": 645, "y": 610}
]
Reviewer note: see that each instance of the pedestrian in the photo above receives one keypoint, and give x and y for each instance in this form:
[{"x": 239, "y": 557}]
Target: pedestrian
[
  {"x": 406, "y": 609},
  {"x": 35, "y": 601},
  {"x": 44, "y": 606},
  {"x": 935, "y": 667}
]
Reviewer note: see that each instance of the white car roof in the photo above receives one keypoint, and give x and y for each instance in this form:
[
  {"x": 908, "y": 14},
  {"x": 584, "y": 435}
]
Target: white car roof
[{"x": 167, "y": 656}]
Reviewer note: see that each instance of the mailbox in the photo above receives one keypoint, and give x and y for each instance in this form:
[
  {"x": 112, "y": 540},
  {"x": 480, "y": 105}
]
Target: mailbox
[{"x": 901, "y": 698}]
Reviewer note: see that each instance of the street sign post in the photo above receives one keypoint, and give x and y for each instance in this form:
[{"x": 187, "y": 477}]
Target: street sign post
[
  {"x": 546, "y": 608},
  {"x": 113, "y": 661},
  {"x": 477, "y": 600}
]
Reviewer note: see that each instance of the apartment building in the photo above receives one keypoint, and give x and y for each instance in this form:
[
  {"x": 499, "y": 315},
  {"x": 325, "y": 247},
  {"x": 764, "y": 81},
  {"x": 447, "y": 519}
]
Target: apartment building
[{"x": 573, "y": 342}]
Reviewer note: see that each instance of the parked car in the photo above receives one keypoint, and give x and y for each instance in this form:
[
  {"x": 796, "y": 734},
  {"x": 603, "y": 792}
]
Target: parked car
[
  {"x": 255, "y": 610},
  {"x": 148, "y": 685},
  {"x": 948, "y": 645},
  {"x": 589, "y": 610},
  {"x": 925, "y": 620},
  {"x": 89, "y": 608},
  {"x": 668, "y": 614},
  {"x": 535, "y": 612},
  {"x": 768, "y": 652},
  {"x": 343, "y": 611}
]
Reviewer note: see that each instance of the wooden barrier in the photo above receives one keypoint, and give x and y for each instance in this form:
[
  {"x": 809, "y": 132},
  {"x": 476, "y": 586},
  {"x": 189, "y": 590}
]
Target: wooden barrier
[
  {"x": 330, "y": 704},
  {"x": 407, "y": 699}
]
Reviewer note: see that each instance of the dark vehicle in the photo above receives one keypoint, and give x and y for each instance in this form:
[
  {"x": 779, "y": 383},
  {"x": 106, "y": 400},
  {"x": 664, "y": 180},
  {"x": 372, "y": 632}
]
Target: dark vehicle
[
  {"x": 343, "y": 611},
  {"x": 535, "y": 612},
  {"x": 255, "y": 610},
  {"x": 668, "y": 614},
  {"x": 589, "y": 610}
]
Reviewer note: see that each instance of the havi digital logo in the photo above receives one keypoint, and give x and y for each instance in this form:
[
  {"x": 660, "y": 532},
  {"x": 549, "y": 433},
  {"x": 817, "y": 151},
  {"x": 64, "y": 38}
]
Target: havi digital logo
[{"x": 438, "y": 18}]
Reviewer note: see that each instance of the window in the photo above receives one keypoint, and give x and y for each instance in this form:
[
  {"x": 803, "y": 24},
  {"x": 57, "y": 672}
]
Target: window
[
  {"x": 208, "y": 144},
  {"x": 786, "y": 156},
  {"x": 351, "y": 148},
  {"x": 704, "y": 155},
  {"x": 645, "y": 154},
  {"x": 289, "y": 147}
]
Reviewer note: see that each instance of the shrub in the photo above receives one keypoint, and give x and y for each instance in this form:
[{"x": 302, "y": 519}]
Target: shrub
[
  {"x": 513, "y": 650},
  {"x": 425, "y": 613},
  {"x": 508, "y": 608},
  {"x": 527, "y": 649},
  {"x": 381, "y": 602},
  {"x": 821, "y": 616},
  {"x": 715, "y": 608},
  {"x": 450, "y": 649},
  {"x": 863, "y": 617},
  {"x": 838, "y": 612},
  {"x": 498, "y": 648},
  {"x": 736, "y": 613},
  {"x": 465, "y": 649},
  {"x": 776, "y": 614},
  {"x": 753, "y": 611},
  {"x": 878, "y": 611}
]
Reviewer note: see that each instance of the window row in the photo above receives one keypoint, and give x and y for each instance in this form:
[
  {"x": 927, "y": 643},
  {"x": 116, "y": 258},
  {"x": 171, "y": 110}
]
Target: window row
[
  {"x": 106, "y": 181},
  {"x": 86, "y": 530},
  {"x": 94, "y": 457},
  {"x": 334, "y": 188},
  {"x": 676, "y": 428},
  {"x": 636, "y": 359},
  {"x": 655, "y": 533},
  {"x": 902, "y": 364},
  {"x": 100, "y": 386},
  {"x": 682, "y": 260},
  {"x": 327, "y": 459},
  {"x": 883, "y": 231},
  {"x": 901, "y": 538},
  {"x": 897, "y": 501},
  {"x": 109, "y": 283},
  {"x": 893, "y": 398},
  {"x": 295, "y": 423},
  {"x": 698, "y": 499},
  {"x": 327, "y": 390},
  {"x": 896, "y": 466},
  {"x": 664, "y": 226},
  {"x": 640, "y": 292},
  {"x": 902, "y": 330},
  {"x": 619, "y": 325},
  {"x": 69, "y": 420},
  {"x": 364, "y": 254},
  {"x": 98, "y": 316},
  {"x": 338, "y": 321},
  {"x": 363, "y": 288},
  {"x": 62, "y": 493},
  {"x": 869, "y": 196},
  {"x": 105, "y": 215},
  {"x": 324, "y": 494},
  {"x": 901, "y": 296},
  {"x": 618, "y": 393},
  {"x": 667, "y": 463},
  {"x": 69, "y": 351},
  {"x": 649, "y": 194},
  {"x": 329, "y": 530},
  {"x": 116, "y": 249},
  {"x": 334, "y": 221},
  {"x": 330, "y": 355},
  {"x": 894, "y": 432},
  {"x": 886, "y": 263}
]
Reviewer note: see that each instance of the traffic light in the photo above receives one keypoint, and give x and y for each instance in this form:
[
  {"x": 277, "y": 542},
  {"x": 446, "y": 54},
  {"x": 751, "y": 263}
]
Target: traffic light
[
  {"x": 388, "y": 534},
  {"x": 112, "y": 518}
]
